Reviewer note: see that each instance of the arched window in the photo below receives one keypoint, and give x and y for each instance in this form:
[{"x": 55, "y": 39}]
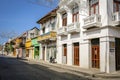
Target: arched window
[
  {"x": 75, "y": 14},
  {"x": 94, "y": 7},
  {"x": 64, "y": 19}
]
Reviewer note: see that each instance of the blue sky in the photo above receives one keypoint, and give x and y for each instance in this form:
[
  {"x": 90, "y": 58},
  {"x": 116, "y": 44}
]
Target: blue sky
[{"x": 20, "y": 15}]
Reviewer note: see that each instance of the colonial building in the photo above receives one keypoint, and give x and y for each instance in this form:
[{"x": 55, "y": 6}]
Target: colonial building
[
  {"x": 18, "y": 48},
  {"x": 36, "y": 46},
  {"x": 21, "y": 45},
  {"x": 88, "y": 34},
  {"x": 47, "y": 37},
  {"x": 32, "y": 33}
]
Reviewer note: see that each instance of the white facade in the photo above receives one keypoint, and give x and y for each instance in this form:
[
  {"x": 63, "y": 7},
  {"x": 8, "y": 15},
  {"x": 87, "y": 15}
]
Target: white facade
[
  {"x": 48, "y": 36},
  {"x": 101, "y": 27},
  {"x": 32, "y": 33}
]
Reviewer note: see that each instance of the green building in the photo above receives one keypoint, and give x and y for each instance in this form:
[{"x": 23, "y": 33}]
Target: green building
[{"x": 36, "y": 48}]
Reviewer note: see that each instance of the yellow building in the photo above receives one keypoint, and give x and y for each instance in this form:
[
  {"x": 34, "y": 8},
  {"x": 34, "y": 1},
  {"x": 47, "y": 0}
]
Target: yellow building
[
  {"x": 29, "y": 49},
  {"x": 32, "y": 33}
]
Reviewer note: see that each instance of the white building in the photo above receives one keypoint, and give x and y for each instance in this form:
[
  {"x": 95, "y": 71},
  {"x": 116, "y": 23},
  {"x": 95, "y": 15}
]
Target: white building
[
  {"x": 88, "y": 34},
  {"x": 47, "y": 37}
]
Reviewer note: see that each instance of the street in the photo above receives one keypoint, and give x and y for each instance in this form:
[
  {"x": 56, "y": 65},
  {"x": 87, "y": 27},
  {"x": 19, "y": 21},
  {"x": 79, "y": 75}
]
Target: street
[{"x": 16, "y": 69}]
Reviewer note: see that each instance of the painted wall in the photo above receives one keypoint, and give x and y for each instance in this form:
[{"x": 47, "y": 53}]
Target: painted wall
[
  {"x": 106, "y": 35},
  {"x": 28, "y": 43}
]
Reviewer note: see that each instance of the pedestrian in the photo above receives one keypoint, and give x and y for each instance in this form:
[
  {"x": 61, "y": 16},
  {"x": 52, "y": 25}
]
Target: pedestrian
[
  {"x": 17, "y": 56},
  {"x": 51, "y": 59}
]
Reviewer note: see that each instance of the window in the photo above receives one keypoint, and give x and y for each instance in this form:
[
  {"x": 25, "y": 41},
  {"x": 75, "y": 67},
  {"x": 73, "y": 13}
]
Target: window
[
  {"x": 24, "y": 40},
  {"x": 116, "y": 5},
  {"x": 43, "y": 30},
  {"x": 32, "y": 35},
  {"x": 49, "y": 26},
  {"x": 75, "y": 14},
  {"x": 64, "y": 19},
  {"x": 94, "y": 7},
  {"x": 53, "y": 25}
]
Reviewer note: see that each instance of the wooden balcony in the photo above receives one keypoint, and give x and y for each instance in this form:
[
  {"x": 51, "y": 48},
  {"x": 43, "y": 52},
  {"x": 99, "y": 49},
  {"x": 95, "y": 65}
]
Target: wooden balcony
[
  {"x": 47, "y": 36},
  {"x": 28, "y": 43}
]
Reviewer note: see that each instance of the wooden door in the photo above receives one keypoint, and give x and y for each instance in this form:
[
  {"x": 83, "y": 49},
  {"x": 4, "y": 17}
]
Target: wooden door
[
  {"x": 76, "y": 54},
  {"x": 43, "y": 53},
  {"x": 117, "y": 53},
  {"x": 65, "y": 52},
  {"x": 27, "y": 53},
  {"x": 95, "y": 56}
]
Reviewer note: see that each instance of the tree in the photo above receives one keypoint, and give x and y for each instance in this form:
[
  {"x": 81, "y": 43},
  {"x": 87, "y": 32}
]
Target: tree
[
  {"x": 4, "y": 36},
  {"x": 6, "y": 49}
]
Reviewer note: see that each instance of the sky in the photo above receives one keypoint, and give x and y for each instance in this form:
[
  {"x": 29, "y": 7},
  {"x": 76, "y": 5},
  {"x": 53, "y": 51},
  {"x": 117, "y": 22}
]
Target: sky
[{"x": 19, "y": 16}]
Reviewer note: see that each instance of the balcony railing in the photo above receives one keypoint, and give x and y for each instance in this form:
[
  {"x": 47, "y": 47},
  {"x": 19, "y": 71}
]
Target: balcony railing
[
  {"x": 28, "y": 43},
  {"x": 50, "y": 35},
  {"x": 74, "y": 27},
  {"x": 62, "y": 2},
  {"x": 72, "y": 1},
  {"x": 62, "y": 31},
  {"x": 116, "y": 18},
  {"x": 92, "y": 21},
  {"x": 67, "y": 2}
]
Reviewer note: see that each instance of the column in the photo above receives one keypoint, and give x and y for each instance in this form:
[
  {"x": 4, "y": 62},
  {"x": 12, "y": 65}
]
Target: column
[
  {"x": 59, "y": 54},
  {"x": 85, "y": 54},
  {"x": 107, "y": 54},
  {"x": 41, "y": 51},
  {"x": 106, "y": 10},
  {"x": 69, "y": 17},
  {"x": 69, "y": 54},
  {"x": 45, "y": 52}
]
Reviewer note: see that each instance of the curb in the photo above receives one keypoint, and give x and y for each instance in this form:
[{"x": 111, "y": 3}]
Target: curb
[
  {"x": 107, "y": 76},
  {"x": 94, "y": 75},
  {"x": 57, "y": 66}
]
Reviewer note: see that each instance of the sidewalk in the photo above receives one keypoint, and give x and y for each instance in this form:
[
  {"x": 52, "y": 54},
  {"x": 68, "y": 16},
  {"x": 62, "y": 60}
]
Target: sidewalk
[{"x": 84, "y": 72}]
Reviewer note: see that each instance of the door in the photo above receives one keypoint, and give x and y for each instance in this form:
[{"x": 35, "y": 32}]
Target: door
[
  {"x": 65, "y": 53},
  {"x": 95, "y": 53},
  {"x": 95, "y": 56},
  {"x": 117, "y": 53},
  {"x": 43, "y": 53},
  {"x": 27, "y": 53},
  {"x": 76, "y": 54}
]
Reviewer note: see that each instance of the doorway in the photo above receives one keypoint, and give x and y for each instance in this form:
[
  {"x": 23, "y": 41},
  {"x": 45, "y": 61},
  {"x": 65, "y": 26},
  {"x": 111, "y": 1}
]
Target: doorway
[
  {"x": 95, "y": 53},
  {"x": 65, "y": 53},
  {"x": 117, "y": 53},
  {"x": 43, "y": 53},
  {"x": 76, "y": 53}
]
